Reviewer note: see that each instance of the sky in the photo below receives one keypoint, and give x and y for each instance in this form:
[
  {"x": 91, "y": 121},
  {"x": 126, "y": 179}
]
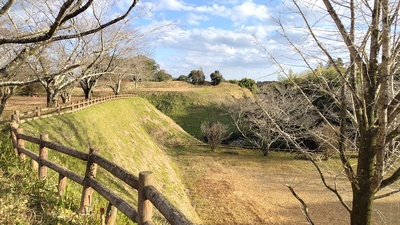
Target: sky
[{"x": 217, "y": 35}]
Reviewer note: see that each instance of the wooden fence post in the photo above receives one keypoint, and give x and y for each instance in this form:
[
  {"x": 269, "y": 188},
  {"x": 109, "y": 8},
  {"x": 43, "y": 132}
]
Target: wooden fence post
[
  {"x": 87, "y": 191},
  {"x": 34, "y": 165},
  {"x": 111, "y": 214},
  {"x": 43, "y": 155},
  {"x": 38, "y": 111},
  {"x": 16, "y": 116},
  {"x": 62, "y": 184},
  {"x": 102, "y": 218},
  {"x": 20, "y": 143},
  {"x": 14, "y": 139},
  {"x": 145, "y": 208}
]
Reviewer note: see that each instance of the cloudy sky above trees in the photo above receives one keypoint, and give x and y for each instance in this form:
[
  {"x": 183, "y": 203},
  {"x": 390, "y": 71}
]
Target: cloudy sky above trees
[{"x": 220, "y": 35}]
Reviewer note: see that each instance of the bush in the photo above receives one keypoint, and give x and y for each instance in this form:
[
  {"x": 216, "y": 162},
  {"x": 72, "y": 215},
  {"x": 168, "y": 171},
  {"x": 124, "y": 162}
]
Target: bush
[
  {"x": 216, "y": 78},
  {"x": 249, "y": 84},
  {"x": 214, "y": 132},
  {"x": 162, "y": 76},
  {"x": 197, "y": 77},
  {"x": 183, "y": 78}
]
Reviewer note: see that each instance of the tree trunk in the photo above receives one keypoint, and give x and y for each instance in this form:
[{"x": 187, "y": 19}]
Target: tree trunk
[
  {"x": 87, "y": 85},
  {"x": 66, "y": 97},
  {"x": 6, "y": 93},
  {"x": 362, "y": 206},
  {"x": 265, "y": 150},
  {"x": 363, "y": 191},
  {"x": 52, "y": 98},
  {"x": 88, "y": 93},
  {"x": 3, "y": 104},
  {"x": 118, "y": 87}
]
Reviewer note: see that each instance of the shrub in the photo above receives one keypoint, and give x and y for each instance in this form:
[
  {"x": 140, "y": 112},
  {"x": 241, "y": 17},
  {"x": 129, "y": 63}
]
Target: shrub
[
  {"x": 249, "y": 84},
  {"x": 214, "y": 132}
]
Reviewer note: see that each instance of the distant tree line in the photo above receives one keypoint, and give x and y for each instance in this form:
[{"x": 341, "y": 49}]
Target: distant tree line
[{"x": 197, "y": 77}]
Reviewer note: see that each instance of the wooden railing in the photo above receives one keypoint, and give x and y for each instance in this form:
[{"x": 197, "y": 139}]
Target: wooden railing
[
  {"x": 38, "y": 112},
  {"x": 148, "y": 195}
]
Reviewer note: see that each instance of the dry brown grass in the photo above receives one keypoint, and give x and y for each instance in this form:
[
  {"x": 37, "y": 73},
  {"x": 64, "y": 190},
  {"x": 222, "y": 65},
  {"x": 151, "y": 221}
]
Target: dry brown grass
[{"x": 250, "y": 189}]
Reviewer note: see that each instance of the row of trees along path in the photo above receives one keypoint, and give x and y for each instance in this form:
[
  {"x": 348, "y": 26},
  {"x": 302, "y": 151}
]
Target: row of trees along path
[{"x": 148, "y": 195}]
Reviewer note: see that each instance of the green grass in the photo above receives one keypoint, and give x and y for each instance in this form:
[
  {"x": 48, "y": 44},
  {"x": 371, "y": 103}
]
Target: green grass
[
  {"x": 190, "y": 109},
  {"x": 131, "y": 133},
  {"x": 25, "y": 199}
]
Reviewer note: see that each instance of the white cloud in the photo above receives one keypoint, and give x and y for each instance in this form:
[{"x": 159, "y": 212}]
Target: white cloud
[
  {"x": 249, "y": 9},
  {"x": 238, "y": 11},
  {"x": 194, "y": 19},
  {"x": 233, "y": 52},
  {"x": 220, "y": 35},
  {"x": 175, "y": 5}
]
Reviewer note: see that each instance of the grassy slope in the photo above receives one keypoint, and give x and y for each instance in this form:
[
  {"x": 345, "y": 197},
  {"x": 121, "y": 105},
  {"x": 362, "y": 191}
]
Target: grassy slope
[
  {"x": 129, "y": 132},
  {"x": 190, "y": 105}
]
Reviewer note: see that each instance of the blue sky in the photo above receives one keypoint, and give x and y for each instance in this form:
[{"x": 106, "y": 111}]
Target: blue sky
[
  {"x": 220, "y": 35},
  {"x": 212, "y": 35}
]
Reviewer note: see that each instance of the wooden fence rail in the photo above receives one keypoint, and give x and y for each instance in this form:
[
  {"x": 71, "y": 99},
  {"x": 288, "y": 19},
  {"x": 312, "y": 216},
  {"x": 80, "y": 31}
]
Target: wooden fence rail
[
  {"x": 38, "y": 112},
  {"x": 148, "y": 195}
]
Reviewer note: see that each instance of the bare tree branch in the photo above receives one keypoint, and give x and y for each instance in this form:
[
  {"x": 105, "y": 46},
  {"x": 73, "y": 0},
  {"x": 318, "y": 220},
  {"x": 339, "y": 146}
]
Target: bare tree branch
[
  {"x": 304, "y": 206},
  {"x": 6, "y": 7},
  {"x": 49, "y": 35},
  {"x": 390, "y": 180},
  {"x": 387, "y": 194},
  {"x": 18, "y": 83}
]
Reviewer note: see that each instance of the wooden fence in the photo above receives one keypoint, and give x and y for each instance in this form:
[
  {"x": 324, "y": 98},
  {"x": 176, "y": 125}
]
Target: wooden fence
[
  {"x": 148, "y": 195},
  {"x": 38, "y": 112}
]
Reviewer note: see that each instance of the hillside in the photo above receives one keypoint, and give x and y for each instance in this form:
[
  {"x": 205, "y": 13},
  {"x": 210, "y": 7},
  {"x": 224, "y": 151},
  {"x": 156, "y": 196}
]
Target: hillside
[
  {"x": 132, "y": 133},
  {"x": 190, "y": 105}
]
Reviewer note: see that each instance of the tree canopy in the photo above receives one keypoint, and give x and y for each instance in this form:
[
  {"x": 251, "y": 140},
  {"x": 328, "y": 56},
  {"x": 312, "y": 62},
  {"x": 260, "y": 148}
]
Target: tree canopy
[
  {"x": 197, "y": 77},
  {"x": 249, "y": 84},
  {"x": 216, "y": 77}
]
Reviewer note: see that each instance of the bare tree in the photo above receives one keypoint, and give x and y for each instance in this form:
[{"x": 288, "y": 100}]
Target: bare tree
[
  {"x": 29, "y": 27},
  {"x": 366, "y": 32},
  {"x": 66, "y": 93},
  {"x": 33, "y": 24},
  {"x": 286, "y": 110},
  {"x": 215, "y": 132},
  {"x": 125, "y": 63},
  {"x": 99, "y": 64},
  {"x": 5, "y": 93},
  {"x": 142, "y": 68},
  {"x": 58, "y": 66},
  {"x": 252, "y": 125}
]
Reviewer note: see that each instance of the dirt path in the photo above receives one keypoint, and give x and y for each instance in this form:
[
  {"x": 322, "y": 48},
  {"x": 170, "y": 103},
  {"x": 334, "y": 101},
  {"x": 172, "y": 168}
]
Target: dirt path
[{"x": 250, "y": 190}]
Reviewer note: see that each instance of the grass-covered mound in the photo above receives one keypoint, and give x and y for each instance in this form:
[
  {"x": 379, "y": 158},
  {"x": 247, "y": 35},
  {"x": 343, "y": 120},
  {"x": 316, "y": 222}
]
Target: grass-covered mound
[
  {"x": 132, "y": 133},
  {"x": 190, "y": 105}
]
